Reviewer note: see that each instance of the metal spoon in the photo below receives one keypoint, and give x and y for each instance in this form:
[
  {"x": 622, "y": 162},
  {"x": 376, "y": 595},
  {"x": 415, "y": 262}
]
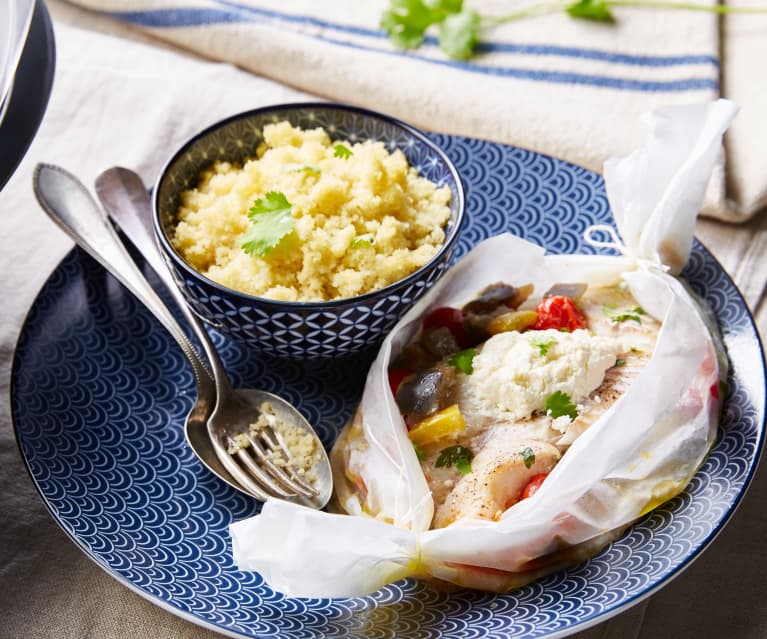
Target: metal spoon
[
  {"x": 125, "y": 198},
  {"x": 219, "y": 411}
]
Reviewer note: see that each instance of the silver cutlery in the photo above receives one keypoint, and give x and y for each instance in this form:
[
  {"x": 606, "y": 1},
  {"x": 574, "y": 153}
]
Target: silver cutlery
[{"x": 221, "y": 415}]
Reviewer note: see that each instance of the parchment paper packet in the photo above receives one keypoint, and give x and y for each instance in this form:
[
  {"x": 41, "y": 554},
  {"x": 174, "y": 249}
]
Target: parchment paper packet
[{"x": 641, "y": 452}]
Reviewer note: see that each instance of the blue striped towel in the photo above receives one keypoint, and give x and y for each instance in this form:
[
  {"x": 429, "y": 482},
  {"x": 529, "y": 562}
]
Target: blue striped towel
[{"x": 568, "y": 88}]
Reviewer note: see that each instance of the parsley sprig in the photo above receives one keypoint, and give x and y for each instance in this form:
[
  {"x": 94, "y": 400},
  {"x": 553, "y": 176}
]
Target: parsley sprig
[
  {"x": 458, "y": 456},
  {"x": 543, "y": 344},
  {"x": 361, "y": 241},
  {"x": 624, "y": 315},
  {"x": 271, "y": 221},
  {"x": 342, "y": 151},
  {"x": 463, "y": 360},
  {"x": 528, "y": 456},
  {"x": 406, "y": 21},
  {"x": 559, "y": 404},
  {"x": 293, "y": 167}
]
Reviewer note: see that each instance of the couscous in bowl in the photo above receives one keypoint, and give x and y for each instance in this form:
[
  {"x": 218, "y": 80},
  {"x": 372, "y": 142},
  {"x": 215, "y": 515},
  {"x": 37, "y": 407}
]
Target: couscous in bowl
[{"x": 349, "y": 304}]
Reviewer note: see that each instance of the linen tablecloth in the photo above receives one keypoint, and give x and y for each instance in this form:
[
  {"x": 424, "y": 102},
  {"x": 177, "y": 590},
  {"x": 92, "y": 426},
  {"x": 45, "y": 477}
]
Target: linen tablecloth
[
  {"x": 119, "y": 98},
  {"x": 565, "y": 87}
]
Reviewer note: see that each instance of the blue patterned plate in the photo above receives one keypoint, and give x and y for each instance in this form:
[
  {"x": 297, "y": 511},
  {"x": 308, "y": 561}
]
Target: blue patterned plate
[{"x": 99, "y": 395}]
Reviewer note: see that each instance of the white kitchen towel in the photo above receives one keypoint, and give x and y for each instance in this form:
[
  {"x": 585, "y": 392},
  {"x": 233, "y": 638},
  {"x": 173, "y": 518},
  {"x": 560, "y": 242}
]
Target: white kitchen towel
[{"x": 569, "y": 88}]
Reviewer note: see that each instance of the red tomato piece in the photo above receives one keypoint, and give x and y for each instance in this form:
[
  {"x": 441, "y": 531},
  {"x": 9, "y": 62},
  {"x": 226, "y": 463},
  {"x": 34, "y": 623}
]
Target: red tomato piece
[
  {"x": 452, "y": 320},
  {"x": 533, "y": 485},
  {"x": 559, "y": 312},
  {"x": 396, "y": 375}
]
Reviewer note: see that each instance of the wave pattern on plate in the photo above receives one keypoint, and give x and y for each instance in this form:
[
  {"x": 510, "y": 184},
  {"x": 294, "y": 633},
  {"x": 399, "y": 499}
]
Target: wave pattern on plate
[{"x": 100, "y": 394}]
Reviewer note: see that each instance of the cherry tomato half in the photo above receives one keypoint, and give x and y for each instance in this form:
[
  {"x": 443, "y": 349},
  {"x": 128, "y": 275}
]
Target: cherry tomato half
[
  {"x": 452, "y": 320},
  {"x": 533, "y": 485},
  {"x": 559, "y": 312}
]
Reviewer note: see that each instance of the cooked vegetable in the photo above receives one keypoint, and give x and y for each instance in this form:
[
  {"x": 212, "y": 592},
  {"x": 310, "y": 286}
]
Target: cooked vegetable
[
  {"x": 441, "y": 425},
  {"x": 499, "y": 294},
  {"x": 451, "y": 319},
  {"x": 512, "y": 321},
  {"x": 396, "y": 376},
  {"x": 439, "y": 342},
  {"x": 559, "y": 312},
  {"x": 415, "y": 357},
  {"x": 573, "y": 290},
  {"x": 419, "y": 395},
  {"x": 533, "y": 485}
]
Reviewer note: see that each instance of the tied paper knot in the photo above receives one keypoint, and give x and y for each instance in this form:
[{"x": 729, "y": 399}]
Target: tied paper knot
[
  {"x": 656, "y": 192},
  {"x": 591, "y": 236}
]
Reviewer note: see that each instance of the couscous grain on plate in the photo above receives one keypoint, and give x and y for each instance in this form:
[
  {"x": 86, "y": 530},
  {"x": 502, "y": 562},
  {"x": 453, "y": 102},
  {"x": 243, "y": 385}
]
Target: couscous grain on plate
[{"x": 309, "y": 219}]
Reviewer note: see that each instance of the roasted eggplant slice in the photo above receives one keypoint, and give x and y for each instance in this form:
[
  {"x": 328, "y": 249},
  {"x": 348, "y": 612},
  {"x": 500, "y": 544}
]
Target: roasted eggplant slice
[{"x": 496, "y": 295}]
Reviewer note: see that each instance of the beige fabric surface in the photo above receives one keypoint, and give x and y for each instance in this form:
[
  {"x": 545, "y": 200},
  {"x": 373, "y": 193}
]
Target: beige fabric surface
[
  {"x": 119, "y": 101},
  {"x": 568, "y": 88}
]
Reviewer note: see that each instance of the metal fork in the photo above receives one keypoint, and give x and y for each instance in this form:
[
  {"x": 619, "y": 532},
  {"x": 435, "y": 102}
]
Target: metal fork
[
  {"x": 220, "y": 410},
  {"x": 126, "y": 200}
]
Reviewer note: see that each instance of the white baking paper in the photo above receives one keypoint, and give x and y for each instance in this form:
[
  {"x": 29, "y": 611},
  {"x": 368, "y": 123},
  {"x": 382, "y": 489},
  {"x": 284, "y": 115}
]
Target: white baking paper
[{"x": 638, "y": 454}]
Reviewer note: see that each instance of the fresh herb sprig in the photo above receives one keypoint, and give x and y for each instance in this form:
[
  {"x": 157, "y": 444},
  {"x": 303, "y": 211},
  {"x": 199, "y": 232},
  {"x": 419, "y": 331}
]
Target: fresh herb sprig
[
  {"x": 362, "y": 241},
  {"x": 624, "y": 315},
  {"x": 542, "y": 344},
  {"x": 301, "y": 168},
  {"x": 458, "y": 456},
  {"x": 528, "y": 456},
  {"x": 406, "y": 21},
  {"x": 271, "y": 221},
  {"x": 342, "y": 151},
  {"x": 559, "y": 404},
  {"x": 463, "y": 360}
]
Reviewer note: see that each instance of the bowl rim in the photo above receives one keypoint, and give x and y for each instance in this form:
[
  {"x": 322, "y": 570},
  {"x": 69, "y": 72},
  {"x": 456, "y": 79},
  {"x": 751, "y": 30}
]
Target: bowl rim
[{"x": 447, "y": 245}]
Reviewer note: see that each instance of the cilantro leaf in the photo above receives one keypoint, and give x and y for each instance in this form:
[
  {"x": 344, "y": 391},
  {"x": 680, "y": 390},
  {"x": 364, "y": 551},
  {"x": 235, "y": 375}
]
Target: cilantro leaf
[
  {"x": 543, "y": 344},
  {"x": 406, "y": 21},
  {"x": 306, "y": 168},
  {"x": 618, "y": 315},
  {"x": 457, "y": 456},
  {"x": 342, "y": 151},
  {"x": 528, "y": 456},
  {"x": 559, "y": 403},
  {"x": 362, "y": 241},
  {"x": 463, "y": 360},
  {"x": 459, "y": 33},
  {"x": 446, "y": 6},
  {"x": 419, "y": 452},
  {"x": 271, "y": 220},
  {"x": 620, "y": 362},
  {"x": 596, "y": 10}
]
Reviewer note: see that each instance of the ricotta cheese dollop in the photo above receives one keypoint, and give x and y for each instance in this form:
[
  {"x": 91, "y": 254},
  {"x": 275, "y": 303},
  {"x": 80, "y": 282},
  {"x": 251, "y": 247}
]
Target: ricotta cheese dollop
[{"x": 515, "y": 373}]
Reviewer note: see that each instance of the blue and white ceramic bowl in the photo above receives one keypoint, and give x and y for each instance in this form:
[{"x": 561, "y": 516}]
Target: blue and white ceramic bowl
[{"x": 302, "y": 329}]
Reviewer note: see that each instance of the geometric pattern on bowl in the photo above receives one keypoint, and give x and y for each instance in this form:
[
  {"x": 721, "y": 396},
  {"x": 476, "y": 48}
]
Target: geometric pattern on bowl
[{"x": 311, "y": 329}]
